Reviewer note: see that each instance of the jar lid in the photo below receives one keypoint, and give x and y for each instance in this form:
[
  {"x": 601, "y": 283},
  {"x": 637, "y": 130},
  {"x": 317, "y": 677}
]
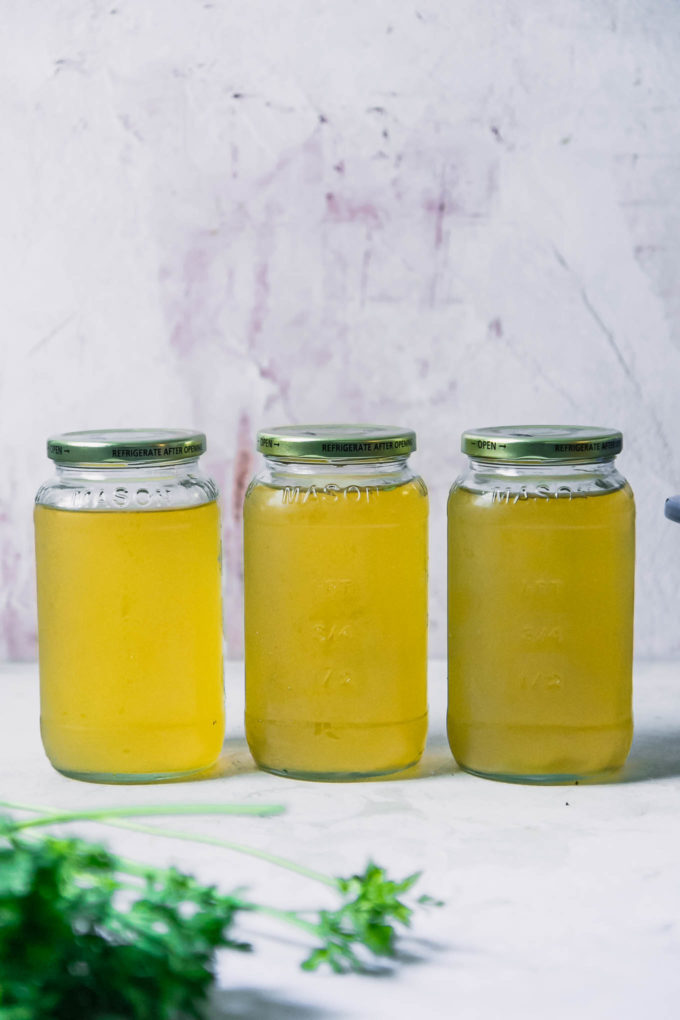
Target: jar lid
[
  {"x": 542, "y": 443},
  {"x": 672, "y": 508},
  {"x": 122, "y": 447},
  {"x": 336, "y": 442}
]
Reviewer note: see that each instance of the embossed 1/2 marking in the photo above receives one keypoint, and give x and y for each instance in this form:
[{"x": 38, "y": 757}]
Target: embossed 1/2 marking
[
  {"x": 335, "y": 679},
  {"x": 541, "y": 681}
]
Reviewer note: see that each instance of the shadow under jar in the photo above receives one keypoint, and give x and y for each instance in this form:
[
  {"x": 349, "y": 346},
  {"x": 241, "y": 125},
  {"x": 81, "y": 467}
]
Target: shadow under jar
[
  {"x": 541, "y": 548},
  {"x": 335, "y": 533},
  {"x": 129, "y": 606}
]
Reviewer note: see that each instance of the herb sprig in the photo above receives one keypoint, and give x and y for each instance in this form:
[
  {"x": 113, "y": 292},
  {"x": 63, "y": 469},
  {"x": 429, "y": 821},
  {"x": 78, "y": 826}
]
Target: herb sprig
[{"x": 85, "y": 932}]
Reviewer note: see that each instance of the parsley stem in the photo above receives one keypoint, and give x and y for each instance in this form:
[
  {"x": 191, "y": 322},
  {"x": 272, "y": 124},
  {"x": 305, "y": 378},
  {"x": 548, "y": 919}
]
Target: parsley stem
[
  {"x": 239, "y": 848},
  {"x": 259, "y": 810},
  {"x": 115, "y": 817}
]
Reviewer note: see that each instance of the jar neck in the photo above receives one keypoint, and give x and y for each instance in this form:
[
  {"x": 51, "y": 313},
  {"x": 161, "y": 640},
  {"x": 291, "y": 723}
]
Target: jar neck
[
  {"x": 75, "y": 473},
  {"x": 395, "y": 471},
  {"x": 353, "y": 467},
  {"x": 549, "y": 468},
  {"x": 128, "y": 487}
]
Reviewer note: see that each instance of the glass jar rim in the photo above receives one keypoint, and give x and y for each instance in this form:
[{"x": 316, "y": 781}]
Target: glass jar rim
[
  {"x": 335, "y": 442},
  {"x": 125, "y": 447},
  {"x": 542, "y": 443}
]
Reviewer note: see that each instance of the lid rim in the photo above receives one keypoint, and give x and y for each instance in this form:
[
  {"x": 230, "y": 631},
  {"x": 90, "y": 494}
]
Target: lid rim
[
  {"x": 541, "y": 444},
  {"x": 330, "y": 443},
  {"x": 125, "y": 447}
]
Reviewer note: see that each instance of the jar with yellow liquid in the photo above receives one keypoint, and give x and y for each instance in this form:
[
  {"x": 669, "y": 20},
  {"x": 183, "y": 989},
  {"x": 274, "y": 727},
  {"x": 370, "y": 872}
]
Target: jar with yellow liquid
[
  {"x": 541, "y": 554},
  {"x": 129, "y": 606},
  {"x": 335, "y": 531}
]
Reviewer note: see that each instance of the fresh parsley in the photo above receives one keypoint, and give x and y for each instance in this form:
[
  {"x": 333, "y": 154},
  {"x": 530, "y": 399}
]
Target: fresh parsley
[{"x": 87, "y": 933}]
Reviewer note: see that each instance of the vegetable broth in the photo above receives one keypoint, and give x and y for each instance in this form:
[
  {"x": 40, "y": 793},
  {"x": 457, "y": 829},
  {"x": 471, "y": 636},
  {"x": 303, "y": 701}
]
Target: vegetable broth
[
  {"x": 540, "y": 633},
  {"x": 336, "y": 622},
  {"x": 130, "y": 640}
]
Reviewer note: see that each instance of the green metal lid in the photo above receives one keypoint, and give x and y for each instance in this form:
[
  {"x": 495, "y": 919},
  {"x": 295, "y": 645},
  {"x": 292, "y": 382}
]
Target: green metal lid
[
  {"x": 122, "y": 447},
  {"x": 542, "y": 443},
  {"x": 336, "y": 442}
]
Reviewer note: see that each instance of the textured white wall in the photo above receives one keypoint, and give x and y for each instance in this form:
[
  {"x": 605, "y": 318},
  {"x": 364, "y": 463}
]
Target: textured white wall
[{"x": 441, "y": 214}]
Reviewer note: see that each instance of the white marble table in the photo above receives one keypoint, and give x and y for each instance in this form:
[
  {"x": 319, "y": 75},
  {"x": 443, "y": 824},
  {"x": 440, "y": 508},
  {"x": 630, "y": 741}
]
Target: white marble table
[{"x": 561, "y": 902}]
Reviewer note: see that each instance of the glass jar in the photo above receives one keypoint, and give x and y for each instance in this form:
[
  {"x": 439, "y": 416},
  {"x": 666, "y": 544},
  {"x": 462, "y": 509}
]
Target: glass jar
[
  {"x": 335, "y": 533},
  {"x": 129, "y": 606},
  {"x": 541, "y": 561}
]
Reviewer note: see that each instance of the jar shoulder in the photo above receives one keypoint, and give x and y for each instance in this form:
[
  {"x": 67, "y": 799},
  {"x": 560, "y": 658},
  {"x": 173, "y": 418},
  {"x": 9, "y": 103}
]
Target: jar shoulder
[
  {"x": 338, "y": 494},
  {"x": 103, "y": 491},
  {"x": 554, "y": 482}
]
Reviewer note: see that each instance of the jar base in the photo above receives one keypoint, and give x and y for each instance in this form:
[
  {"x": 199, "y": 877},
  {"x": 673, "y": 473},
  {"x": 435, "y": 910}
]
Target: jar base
[
  {"x": 549, "y": 779},
  {"x": 133, "y": 779},
  {"x": 540, "y": 754},
  {"x": 337, "y": 752},
  {"x": 337, "y": 777}
]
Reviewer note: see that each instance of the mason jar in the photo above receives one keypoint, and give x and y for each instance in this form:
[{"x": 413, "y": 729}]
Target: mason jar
[
  {"x": 541, "y": 548},
  {"x": 129, "y": 606},
  {"x": 335, "y": 530}
]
